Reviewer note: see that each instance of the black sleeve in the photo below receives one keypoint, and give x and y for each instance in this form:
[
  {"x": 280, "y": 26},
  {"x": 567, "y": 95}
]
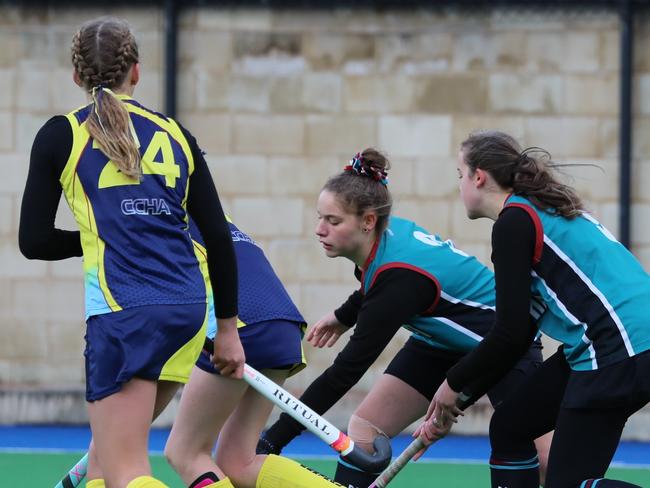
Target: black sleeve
[
  {"x": 348, "y": 312},
  {"x": 378, "y": 320},
  {"x": 204, "y": 207},
  {"x": 513, "y": 246},
  {"x": 38, "y": 238}
]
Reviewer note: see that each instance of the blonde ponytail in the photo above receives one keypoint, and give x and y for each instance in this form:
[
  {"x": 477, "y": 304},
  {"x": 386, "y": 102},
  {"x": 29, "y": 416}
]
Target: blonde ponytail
[{"x": 103, "y": 51}]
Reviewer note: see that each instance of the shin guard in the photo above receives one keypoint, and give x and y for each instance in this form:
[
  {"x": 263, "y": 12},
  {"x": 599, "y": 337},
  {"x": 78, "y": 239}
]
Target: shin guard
[
  {"x": 146, "y": 482},
  {"x": 96, "y": 483},
  {"x": 281, "y": 472}
]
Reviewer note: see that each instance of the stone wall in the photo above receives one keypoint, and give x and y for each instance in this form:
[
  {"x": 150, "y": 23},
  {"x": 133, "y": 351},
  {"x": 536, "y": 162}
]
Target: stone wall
[{"x": 279, "y": 100}]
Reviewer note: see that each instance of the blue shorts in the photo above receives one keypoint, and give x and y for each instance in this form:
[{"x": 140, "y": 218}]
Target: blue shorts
[
  {"x": 272, "y": 344},
  {"x": 158, "y": 342}
]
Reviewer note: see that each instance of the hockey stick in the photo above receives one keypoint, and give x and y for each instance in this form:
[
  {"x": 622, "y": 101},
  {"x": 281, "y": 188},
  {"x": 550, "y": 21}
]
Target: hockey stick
[
  {"x": 75, "y": 475},
  {"x": 411, "y": 450},
  {"x": 316, "y": 424},
  {"x": 284, "y": 400},
  {"x": 396, "y": 466}
]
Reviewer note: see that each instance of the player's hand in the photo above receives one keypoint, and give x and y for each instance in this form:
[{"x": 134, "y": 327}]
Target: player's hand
[
  {"x": 326, "y": 331},
  {"x": 429, "y": 432},
  {"x": 443, "y": 406},
  {"x": 228, "y": 354}
]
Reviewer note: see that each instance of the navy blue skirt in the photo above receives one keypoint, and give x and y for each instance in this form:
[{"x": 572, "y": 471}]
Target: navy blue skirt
[
  {"x": 157, "y": 342},
  {"x": 272, "y": 344}
]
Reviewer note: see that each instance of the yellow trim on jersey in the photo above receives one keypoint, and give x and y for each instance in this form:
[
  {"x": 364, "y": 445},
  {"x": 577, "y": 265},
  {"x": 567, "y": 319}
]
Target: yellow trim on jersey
[
  {"x": 298, "y": 367},
  {"x": 172, "y": 127},
  {"x": 93, "y": 246},
  {"x": 201, "y": 254},
  {"x": 169, "y": 125},
  {"x": 178, "y": 367}
]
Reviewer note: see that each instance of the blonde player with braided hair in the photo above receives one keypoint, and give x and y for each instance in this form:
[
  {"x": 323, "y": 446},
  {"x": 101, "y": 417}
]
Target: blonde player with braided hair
[
  {"x": 126, "y": 172},
  {"x": 117, "y": 137}
]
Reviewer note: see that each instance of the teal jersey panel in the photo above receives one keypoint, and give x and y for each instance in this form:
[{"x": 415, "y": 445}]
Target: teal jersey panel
[
  {"x": 597, "y": 293},
  {"x": 463, "y": 312}
]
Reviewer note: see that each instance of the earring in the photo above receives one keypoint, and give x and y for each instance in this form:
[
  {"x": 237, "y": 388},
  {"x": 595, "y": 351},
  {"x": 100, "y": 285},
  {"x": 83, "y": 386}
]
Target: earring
[{"x": 365, "y": 229}]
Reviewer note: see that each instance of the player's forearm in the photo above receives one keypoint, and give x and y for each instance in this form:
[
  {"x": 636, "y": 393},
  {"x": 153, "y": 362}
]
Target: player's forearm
[{"x": 51, "y": 245}]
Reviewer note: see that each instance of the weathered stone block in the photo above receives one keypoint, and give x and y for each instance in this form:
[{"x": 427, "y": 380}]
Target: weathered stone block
[
  {"x": 379, "y": 94},
  {"x": 212, "y": 131},
  {"x": 210, "y": 50},
  {"x": 239, "y": 175},
  {"x": 303, "y": 260},
  {"x": 301, "y": 176},
  {"x": 416, "y": 135},
  {"x": 330, "y": 51},
  {"x": 342, "y": 135},
  {"x": 640, "y": 230},
  {"x": 451, "y": 93},
  {"x": 482, "y": 50},
  {"x": 37, "y": 300},
  {"x": 515, "y": 92},
  {"x": 275, "y": 134},
  {"x": 437, "y": 177},
  {"x": 589, "y": 95},
  {"x": 433, "y": 215},
  {"x": 565, "y": 137},
  {"x": 269, "y": 217},
  {"x": 321, "y": 92},
  {"x": 7, "y": 88}
]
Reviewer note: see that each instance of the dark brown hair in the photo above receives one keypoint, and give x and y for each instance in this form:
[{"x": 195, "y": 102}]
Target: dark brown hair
[
  {"x": 103, "y": 51},
  {"x": 365, "y": 188},
  {"x": 528, "y": 172}
]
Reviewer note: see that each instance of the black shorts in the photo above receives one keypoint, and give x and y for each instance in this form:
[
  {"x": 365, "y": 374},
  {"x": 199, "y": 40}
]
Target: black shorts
[
  {"x": 624, "y": 385},
  {"x": 424, "y": 368}
]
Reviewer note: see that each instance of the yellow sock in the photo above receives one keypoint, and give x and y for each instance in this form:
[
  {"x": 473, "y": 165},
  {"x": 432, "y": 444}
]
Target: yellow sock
[
  {"x": 281, "y": 472},
  {"x": 146, "y": 482},
  {"x": 224, "y": 483},
  {"x": 97, "y": 483}
]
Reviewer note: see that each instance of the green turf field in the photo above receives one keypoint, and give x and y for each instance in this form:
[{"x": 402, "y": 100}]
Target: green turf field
[{"x": 41, "y": 470}]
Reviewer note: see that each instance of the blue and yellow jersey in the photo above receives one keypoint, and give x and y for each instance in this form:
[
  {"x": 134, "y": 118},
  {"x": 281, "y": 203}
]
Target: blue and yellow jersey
[
  {"x": 134, "y": 234},
  {"x": 597, "y": 293},
  {"x": 262, "y": 297},
  {"x": 463, "y": 312}
]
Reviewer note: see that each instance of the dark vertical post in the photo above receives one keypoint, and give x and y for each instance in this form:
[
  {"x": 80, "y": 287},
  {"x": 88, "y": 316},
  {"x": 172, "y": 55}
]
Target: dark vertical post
[
  {"x": 171, "y": 45},
  {"x": 625, "y": 126}
]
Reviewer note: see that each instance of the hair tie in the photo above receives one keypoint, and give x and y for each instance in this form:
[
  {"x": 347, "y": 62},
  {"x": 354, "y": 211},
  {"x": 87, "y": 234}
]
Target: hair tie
[
  {"x": 97, "y": 93},
  {"x": 356, "y": 165},
  {"x": 98, "y": 89}
]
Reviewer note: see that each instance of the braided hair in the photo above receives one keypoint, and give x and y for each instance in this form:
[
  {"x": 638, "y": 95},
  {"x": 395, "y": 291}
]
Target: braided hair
[
  {"x": 363, "y": 186},
  {"x": 103, "y": 51},
  {"x": 528, "y": 172}
]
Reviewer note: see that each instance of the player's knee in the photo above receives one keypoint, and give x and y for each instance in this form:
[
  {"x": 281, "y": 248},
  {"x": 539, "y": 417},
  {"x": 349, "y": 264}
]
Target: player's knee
[
  {"x": 504, "y": 435},
  {"x": 363, "y": 432},
  {"x": 240, "y": 467}
]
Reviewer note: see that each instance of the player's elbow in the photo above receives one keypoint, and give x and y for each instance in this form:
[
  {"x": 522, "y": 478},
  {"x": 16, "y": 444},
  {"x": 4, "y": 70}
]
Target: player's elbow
[{"x": 31, "y": 246}]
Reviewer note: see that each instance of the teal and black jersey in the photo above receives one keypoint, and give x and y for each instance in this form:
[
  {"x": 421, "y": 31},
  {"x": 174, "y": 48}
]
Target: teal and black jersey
[
  {"x": 597, "y": 293},
  {"x": 463, "y": 312}
]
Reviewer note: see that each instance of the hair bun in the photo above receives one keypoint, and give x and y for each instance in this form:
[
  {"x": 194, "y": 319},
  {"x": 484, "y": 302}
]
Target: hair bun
[{"x": 360, "y": 166}]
